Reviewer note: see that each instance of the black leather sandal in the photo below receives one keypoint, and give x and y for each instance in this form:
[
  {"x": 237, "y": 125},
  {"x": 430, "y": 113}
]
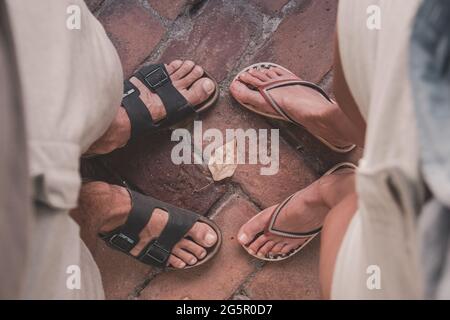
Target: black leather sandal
[
  {"x": 157, "y": 251},
  {"x": 156, "y": 78}
]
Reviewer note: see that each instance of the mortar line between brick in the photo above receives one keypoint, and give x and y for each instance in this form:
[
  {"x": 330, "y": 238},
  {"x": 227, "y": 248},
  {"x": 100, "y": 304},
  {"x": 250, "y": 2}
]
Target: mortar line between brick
[
  {"x": 98, "y": 7},
  {"x": 241, "y": 289},
  {"x": 101, "y": 6},
  {"x": 182, "y": 22},
  {"x": 261, "y": 39},
  {"x": 140, "y": 287}
]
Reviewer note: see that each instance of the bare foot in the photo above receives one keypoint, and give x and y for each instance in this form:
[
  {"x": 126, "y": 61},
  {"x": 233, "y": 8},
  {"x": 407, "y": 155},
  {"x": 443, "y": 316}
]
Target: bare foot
[
  {"x": 306, "y": 211},
  {"x": 111, "y": 204},
  {"x": 304, "y": 105},
  {"x": 187, "y": 77}
]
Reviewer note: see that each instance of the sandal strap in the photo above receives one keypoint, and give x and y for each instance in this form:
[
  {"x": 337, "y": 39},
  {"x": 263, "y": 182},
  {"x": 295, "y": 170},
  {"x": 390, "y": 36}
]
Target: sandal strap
[
  {"x": 140, "y": 118},
  {"x": 265, "y": 92},
  {"x": 156, "y": 78},
  {"x": 126, "y": 237},
  {"x": 158, "y": 250}
]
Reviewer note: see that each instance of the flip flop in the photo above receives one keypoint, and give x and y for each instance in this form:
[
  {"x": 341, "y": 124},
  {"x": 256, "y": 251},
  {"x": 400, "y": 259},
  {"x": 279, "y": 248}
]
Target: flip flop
[
  {"x": 156, "y": 78},
  {"x": 265, "y": 92},
  {"x": 310, "y": 235}
]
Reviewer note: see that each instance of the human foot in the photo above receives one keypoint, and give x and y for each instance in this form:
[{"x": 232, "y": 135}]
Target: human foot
[
  {"x": 300, "y": 103},
  {"x": 112, "y": 205},
  {"x": 187, "y": 78},
  {"x": 303, "y": 213}
]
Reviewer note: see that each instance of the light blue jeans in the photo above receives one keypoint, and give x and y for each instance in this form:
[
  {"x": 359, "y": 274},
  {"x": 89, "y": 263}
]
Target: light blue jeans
[{"x": 430, "y": 76}]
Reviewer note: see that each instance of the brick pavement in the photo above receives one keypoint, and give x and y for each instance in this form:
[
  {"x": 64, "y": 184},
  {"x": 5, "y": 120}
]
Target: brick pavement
[{"x": 223, "y": 36}]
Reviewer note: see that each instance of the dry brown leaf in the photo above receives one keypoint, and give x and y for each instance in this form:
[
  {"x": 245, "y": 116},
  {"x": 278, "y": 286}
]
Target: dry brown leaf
[{"x": 218, "y": 165}]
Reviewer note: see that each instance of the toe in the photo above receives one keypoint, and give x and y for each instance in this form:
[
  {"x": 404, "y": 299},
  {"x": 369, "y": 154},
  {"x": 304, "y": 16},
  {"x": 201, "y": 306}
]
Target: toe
[
  {"x": 244, "y": 94},
  {"x": 265, "y": 249},
  {"x": 276, "y": 249},
  {"x": 200, "y": 91},
  {"x": 203, "y": 235},
  {"x": 282, "y": 72},
  {"x": 288, "y": 248},
  {"x": 176, "y": 262},
  {"x": 184, "y": 70},
  {"x": 190, "y": 246},
  {"x": 272, "y": 74},
  {"x": 195, "y": 74},
  {"x": 256, "y": 245},
  {"x": 259, "y": 74},
  {"x": 251, "y": 80},
  {"x": 187, "y": 257},
  {"x": 173, "y": 66},
  {"x": 254, "y": 226}
]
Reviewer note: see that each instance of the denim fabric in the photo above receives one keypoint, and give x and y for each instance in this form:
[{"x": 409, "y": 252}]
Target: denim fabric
[{"x": 430, "y": 77}]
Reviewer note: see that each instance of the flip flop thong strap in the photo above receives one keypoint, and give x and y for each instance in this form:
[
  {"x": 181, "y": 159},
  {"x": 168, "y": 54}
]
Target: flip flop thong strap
[
  {"x": 265, "y": 92},
  {"x": 156, "y": 78},
  {"x": 270, "y": 228}
]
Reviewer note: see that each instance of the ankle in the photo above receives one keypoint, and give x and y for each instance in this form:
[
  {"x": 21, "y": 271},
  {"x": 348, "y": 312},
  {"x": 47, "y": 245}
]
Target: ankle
[
  {"x": 115, "y": 137},
  {"x": 328, "y": 122},
  {"x": 118, "y": 209}
]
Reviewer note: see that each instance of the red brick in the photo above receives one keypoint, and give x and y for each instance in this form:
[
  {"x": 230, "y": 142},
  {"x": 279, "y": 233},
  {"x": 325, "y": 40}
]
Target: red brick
[
  {"x": 148, "y": 165},
  {"x": 218, "y": 38},
  {"x": 169, "y": 9},
  {"x": 121, "y": 274},
  {"x": 219, "y": 278},
  {"x": 293, "y": 175},
  {"x": 293, "y": 279},
  {"x": 134, "y": 31},
  {"x": 303, "y": 42},
  {"x": 270, "y": 6}
]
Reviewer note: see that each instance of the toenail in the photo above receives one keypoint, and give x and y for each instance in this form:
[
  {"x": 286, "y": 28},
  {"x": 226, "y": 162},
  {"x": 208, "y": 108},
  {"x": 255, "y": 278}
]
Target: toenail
[
  {"x": 199, "y": 70},
  {"x": 243, "y": 238},
  {"x": 193, "y": 261},
  {"x": 260, "y": 254},
  {"x": 210, "y": 238},
  {"x": 203, "y": 254},
  {"x": 251, "y": 251},
  {"x": 208, "y": 86},
  {"x": 182, "y": 265}
]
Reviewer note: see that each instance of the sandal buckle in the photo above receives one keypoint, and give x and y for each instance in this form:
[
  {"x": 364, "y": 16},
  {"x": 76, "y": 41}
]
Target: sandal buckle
[
  {"x": 122, "y": 242},
  {"x": 156, "y": 253},
  {"x": 157, "y": 78}
]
